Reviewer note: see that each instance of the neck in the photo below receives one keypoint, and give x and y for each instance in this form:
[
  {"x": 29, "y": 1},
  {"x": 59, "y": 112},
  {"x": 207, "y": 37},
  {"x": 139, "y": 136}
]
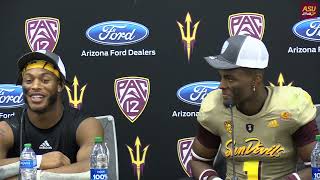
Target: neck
[
  {"x": 46, "y": 119},
  {"x": 254, "y": 104}
]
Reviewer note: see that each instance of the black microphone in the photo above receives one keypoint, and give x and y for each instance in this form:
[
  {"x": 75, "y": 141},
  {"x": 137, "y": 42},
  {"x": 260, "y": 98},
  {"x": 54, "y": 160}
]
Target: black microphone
[{"x": 228, "y": 104}]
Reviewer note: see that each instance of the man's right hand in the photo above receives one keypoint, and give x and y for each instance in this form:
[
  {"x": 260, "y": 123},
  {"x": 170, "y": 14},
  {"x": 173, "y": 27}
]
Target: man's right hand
[{"x": 54, "y": 159}]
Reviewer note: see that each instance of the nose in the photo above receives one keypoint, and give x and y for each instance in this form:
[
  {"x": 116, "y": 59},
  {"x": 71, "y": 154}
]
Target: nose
[
  {"x": 36, "y": 84},
  {"x": 223, "y": 84}
]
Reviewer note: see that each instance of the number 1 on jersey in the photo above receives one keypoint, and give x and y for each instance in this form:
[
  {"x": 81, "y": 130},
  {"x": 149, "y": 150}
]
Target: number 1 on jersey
[{"x": 252, "y": 169}]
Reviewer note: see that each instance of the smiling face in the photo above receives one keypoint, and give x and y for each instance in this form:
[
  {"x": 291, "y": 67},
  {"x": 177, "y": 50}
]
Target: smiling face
[
  {"x": 237, "y": 85},
  {"x": 41, "y": 88}
]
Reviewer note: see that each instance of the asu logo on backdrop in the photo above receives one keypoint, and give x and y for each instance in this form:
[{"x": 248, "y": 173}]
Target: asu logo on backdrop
[
  {"x": 74, "y": 100},
  {"x": 188, "y": 34},
  {"x": 42, "y": 33},
  {"x": 138, "y": 160},
  {"x": 132, "y": 94},
  {"x": 184, "y": 154},
  {"x": 309, "y": 10},
  {"x": 251, "y": 24}
]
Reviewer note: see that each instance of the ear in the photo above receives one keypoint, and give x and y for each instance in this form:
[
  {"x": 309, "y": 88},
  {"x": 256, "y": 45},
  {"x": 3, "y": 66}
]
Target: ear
[
  {"x": 60, "y": 87},
  {"x": 258, "y": 78}
]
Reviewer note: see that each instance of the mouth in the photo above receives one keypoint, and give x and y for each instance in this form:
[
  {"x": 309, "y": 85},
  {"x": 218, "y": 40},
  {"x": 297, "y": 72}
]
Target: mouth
[
  {"x": 36, "y": 98},
  {"x": 226, "y": 96}
]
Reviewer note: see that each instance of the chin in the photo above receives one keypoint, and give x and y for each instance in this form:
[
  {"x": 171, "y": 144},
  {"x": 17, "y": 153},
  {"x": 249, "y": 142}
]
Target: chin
[
  {"x": 38, "y": 106},
  {"x": 38, "y": 109}
]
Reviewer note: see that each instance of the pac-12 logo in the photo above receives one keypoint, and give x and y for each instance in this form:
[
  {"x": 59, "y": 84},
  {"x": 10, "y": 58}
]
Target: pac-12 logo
[
  {"x": 308, "y": 29},
  {"x": 251, "y": 24},
  {"x": 184, "y": 154},
  {"x": 11, "y": 96},
  {"x": 117, "y": 33},
  {"x": 132, "y": 95},
  {"x": 194, "y": 93},
  {"x": 42, "y": 33}
]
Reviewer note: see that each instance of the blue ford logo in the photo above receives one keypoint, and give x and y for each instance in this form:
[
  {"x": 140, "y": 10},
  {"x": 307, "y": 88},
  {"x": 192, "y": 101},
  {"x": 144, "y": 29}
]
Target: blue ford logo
[
  {"x": 308, "y": 29},
  {"x": 11, "y": 96},
  {"x": 194, "y": 93},
  {"x": 117, "y": 33}
]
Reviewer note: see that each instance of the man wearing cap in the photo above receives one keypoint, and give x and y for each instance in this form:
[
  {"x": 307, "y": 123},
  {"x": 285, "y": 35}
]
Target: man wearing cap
[
  {"x": 61, "y": 136},
  {"x": 272, "y": 126}
]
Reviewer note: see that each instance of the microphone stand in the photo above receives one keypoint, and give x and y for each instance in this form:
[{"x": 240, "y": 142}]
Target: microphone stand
[
  {"x": 234, "y": 177},
  {"x": 21, "y": 129}
]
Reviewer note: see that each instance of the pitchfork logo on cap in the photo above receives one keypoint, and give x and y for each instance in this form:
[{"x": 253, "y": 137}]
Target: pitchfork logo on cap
[
  {"x": 42, "y": 33},
  {"x": 132, "y": 94},
  {"x": 184, "y": 153},
  {"x": 251, "y": 24}
]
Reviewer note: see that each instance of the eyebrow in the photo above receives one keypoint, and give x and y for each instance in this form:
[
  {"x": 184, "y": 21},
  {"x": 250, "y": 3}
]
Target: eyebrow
[{"x": 41, "y": 75}]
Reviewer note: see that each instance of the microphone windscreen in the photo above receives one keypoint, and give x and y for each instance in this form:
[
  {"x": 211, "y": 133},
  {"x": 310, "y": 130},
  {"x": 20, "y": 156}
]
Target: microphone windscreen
[{"x": 228, "y": 103}]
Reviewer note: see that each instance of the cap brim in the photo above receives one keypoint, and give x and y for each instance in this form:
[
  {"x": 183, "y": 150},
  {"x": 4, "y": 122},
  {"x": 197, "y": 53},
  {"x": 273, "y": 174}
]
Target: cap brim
[{"x": 219, "y": 62}]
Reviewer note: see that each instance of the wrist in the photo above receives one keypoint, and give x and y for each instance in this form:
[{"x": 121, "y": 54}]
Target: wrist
[
  {"x": 214, "y": 178},
  {"x": 38, "y": 174},
  {"x": 293, "y": 176},
  {"x": 209, "y": 174},
  {"x": 39, "y": 159}
]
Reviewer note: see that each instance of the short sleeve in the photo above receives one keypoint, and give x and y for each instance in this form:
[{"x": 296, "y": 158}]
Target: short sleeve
[
  {"x": 307, "y": 110},
  {"x": 206, "y": 112}
]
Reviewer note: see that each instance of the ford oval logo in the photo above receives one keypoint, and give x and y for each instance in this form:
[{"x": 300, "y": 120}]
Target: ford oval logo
[
  {"x": 117, "y": 33},
  {"x": 308, "y": 29},
  {"x": 194, "y": 93},
  {"x": 11, "y": 96}
]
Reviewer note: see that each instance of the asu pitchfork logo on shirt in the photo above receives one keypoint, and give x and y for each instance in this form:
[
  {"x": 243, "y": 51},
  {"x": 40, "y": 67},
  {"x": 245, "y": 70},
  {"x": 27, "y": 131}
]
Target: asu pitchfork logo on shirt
[
  {"x": 132, "y": 95},
  {"x": 42, "y": 33}
]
